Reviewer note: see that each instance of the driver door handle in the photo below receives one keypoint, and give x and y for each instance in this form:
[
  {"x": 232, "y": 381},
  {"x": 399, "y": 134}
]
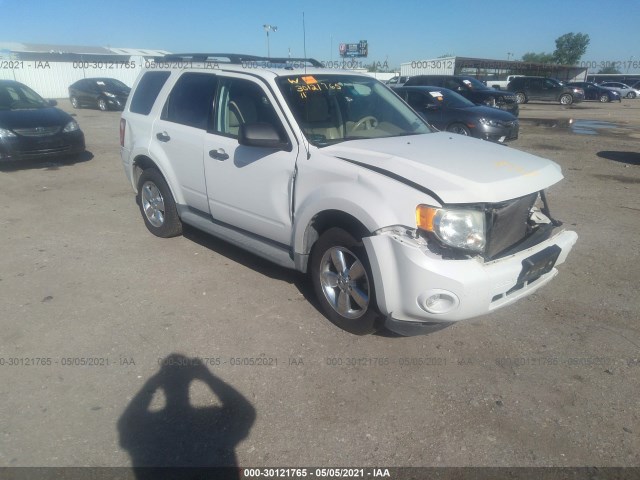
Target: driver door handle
[
  {"x": 218, "y": 154},
  {"x": 163, "y": 136}
]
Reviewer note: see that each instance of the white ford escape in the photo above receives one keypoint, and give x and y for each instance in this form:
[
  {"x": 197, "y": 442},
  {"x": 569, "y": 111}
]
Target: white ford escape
[{"x": 329, "y": 172}]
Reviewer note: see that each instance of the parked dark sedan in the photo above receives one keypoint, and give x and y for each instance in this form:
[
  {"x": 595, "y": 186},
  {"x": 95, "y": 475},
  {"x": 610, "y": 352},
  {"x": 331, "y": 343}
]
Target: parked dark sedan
[
  {"x": 446, "y": 110},
  {"x": 102, "y": 93},
  {"x": 595, "y": 92},
  {"x": 31, "y": 127},
  {"x": 470, "y": 88}
]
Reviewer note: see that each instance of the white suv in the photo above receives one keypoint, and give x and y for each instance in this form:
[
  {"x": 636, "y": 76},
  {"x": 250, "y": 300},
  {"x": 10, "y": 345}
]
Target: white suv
[{"x": 329, "y": 172}]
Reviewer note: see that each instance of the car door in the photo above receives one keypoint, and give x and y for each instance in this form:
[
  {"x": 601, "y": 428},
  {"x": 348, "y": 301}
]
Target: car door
[
  {"x": 179, "y": 134},
  {"x": 425, "y": 104},
  {"x": 249, "y": 188},
  {"x": 85, "y": 93},
  {"x": 550, "y": 90}
]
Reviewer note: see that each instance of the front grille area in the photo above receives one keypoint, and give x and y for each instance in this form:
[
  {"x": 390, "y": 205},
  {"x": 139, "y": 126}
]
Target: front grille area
[
  {"x": 507, "y": 224},
  {"x": 37, "y": 131}
]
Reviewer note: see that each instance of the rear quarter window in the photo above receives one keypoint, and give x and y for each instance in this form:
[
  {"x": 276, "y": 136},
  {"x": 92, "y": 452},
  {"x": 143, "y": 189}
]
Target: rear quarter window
[{"x": 147, "y": 91}]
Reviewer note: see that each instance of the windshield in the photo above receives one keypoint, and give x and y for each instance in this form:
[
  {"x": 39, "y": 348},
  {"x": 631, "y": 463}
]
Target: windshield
[
  {"x": 474, "y": 84},
  {"x": 335, "y": 108},
  {"x": 450, "y": 99},
  {"x": 111, "y": 84},
  {"x": 14, "y": 96}
]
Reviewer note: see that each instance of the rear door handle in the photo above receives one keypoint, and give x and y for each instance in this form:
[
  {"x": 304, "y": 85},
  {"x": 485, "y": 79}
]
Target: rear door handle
[
  {"x": 218, "y": 154},
  {"x": 163, "y": 136}
]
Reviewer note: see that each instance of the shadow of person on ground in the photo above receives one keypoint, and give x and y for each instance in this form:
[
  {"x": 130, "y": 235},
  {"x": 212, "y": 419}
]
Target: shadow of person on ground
[{"x": 180, "y": 435}]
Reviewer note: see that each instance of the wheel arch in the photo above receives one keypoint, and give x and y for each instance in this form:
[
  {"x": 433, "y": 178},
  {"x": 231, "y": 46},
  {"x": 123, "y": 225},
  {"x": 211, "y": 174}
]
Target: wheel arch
[{"x": 143, "y": 162}]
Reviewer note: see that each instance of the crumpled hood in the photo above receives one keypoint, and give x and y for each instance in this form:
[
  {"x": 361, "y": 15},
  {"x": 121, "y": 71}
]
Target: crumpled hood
[{"x": 457, "y": 169}]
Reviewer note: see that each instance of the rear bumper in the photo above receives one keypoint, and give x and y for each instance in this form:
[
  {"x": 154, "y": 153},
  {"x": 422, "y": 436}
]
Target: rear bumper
[{"x": 407, "y": 274}]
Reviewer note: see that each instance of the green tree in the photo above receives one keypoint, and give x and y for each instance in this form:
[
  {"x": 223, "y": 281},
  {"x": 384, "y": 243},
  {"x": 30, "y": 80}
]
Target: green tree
[
  {"x": 532, "y": 57},
  {"x": 570, "y": 47}
]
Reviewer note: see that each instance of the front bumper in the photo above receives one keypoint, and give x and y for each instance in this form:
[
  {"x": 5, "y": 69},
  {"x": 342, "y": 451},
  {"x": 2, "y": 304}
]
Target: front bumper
[
  {"x": 40, "y": 148},
  {"x": 406, "y": 273},
  {"x": 117, "y": 103},
  {"x": 499, "y": 134}
]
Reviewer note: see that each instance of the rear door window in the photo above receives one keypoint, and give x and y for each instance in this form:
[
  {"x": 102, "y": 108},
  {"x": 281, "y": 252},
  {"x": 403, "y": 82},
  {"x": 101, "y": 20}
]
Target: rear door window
[{"x": 191, "y": 100}]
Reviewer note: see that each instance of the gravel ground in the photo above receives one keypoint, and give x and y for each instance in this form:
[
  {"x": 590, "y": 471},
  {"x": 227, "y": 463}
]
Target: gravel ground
[{"x": 550, "y": 381}]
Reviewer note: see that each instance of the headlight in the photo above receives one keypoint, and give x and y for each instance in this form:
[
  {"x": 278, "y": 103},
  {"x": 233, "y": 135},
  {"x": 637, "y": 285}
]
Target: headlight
[
  {"x": 458, "y": 228},
  {"x": 110, "y": 95},
  {"x": 489, "y": 122},
  {"x": 72, "y": 126},
  {"x": 6, "y": 133}
]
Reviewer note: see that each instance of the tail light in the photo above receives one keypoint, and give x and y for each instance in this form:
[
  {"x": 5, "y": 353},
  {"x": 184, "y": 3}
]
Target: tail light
[{"x": 123, "y": 125}]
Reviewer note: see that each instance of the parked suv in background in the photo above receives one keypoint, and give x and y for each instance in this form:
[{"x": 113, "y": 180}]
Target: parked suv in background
[
  {"x": 544, "y": 89},
  {"x": 102, "y": 93},
  {"x": 329, "y": 172},
  {"x": 470, "y": 88}
]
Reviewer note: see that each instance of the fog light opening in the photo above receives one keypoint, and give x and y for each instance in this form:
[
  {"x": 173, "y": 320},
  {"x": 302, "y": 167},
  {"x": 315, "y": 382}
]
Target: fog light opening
[{"x": 438, "y": 301}]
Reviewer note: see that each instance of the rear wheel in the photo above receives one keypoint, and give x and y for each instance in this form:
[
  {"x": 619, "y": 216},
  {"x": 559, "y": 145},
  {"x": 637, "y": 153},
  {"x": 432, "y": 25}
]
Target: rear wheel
[
  {"x": 157, "y": 205},
  {"x": 459, "y": 128},
  {"x": 631, "y": 95},
  {"x": 566, "y": 99},
  {"x": 74, "y": 102},
  {"x": 102, "y": 104},
  {"x": 604, "y": 98},
  {"x": 343, "y": 283}
]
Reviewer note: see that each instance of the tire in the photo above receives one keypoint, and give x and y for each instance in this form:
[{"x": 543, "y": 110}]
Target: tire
[
  {"x": 566, "y": 99},
  {"x": 631, "y": 95},
  {"x": 604, "y": 98},
  {"x": 459, "y": 128},
  {"x": 343, "y": 283},
  {"x": 521, "y": 97},
  {"x": 102, "y": 104},
  {"x": 157, "y": 205},
  {"x": 74, "y": 102}
]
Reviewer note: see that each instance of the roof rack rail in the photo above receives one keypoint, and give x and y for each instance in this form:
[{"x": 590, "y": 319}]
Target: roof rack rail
[{"x": 236, "y": 58}]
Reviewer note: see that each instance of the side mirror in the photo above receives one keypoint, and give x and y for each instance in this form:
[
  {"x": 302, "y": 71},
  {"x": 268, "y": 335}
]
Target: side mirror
[
  {"x": 52, "y": 103},
  {"x": 260, "y": 135}
]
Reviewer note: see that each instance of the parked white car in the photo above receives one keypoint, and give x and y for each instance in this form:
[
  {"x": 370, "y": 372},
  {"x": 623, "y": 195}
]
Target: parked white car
[
  {"x": 501, "y": 84},
  {"x": 330, "y": 173},
  {"x": 622, "y": 88}
]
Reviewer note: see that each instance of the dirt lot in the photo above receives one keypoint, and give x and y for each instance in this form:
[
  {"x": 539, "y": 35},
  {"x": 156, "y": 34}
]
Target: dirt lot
[{"x": 551, "y": 381}]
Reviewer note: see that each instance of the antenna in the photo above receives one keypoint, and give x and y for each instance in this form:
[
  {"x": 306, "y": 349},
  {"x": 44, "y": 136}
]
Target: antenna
[{"x": 304, "y": 39}]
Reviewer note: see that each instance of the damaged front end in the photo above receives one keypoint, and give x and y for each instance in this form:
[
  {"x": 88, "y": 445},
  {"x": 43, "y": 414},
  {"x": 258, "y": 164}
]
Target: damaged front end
[{"x": 463, "y": 261}]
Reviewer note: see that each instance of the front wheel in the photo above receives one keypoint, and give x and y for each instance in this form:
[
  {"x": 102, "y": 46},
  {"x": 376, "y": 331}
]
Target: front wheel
[
  {"x": 157, "y": 205},
  {"x": 460, "y": 129},
  {"x": 343, "y": 283},
  {"x": 102, "y": 104},
  {"x": 74, "y": 102},
  {"x": 566, "y": 99},
  {"x": 521, "y": 97},
  {"x": 604, "y": 98}
]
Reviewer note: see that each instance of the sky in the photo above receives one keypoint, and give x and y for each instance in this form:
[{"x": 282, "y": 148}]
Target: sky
[{"x": 397, "y": 32}]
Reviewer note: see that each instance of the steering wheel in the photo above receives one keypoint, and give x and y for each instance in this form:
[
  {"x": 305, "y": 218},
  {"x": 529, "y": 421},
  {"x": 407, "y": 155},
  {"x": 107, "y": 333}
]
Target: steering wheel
[{"x": 368, "y": 122}]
